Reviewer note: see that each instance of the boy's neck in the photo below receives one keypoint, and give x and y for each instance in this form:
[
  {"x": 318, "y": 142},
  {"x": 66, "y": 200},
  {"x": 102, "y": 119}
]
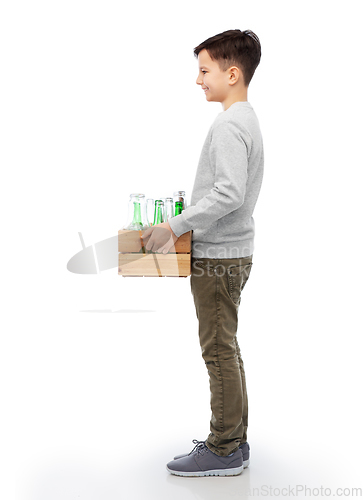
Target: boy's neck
[{"x": 241, "y": 96}]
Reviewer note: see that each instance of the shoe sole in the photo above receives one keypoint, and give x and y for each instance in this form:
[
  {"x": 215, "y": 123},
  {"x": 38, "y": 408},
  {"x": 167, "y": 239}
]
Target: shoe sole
[
  {"x": 246, "y": 463},
  {"x": 217, "y": 472}
]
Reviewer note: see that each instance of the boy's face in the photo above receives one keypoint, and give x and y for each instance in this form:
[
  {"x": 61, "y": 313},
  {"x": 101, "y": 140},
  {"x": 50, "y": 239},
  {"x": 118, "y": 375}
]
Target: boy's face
[{"x": 214, "y": 82}]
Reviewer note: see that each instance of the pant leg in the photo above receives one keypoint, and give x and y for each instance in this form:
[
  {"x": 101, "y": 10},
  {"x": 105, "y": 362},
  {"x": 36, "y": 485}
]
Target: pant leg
[
  {"x": 216, "y": 287},
  {"x": 244, "y": 394}
]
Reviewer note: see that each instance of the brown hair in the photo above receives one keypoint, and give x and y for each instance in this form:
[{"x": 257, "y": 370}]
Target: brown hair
[{"x": 234, "y": 48}]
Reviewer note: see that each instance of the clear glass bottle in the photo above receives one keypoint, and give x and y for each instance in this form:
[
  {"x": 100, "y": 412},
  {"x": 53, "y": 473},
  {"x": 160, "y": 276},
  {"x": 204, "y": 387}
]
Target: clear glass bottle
[
  {"x": 168, "y": 209},
  {"x": 180, "y": 196},
  {"x": 137, "y": 219},
  {"x": 150, "y": 209}
]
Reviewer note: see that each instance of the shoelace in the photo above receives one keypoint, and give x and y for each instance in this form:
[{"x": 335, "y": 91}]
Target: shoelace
[{"x": 199, "y": 446}]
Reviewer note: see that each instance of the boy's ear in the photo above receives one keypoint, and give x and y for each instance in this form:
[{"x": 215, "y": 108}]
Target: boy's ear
[{"x": 234, "y": 75}]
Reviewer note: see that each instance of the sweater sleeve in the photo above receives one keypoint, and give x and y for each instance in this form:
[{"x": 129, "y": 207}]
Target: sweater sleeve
[{"x": 229, "y": 160}]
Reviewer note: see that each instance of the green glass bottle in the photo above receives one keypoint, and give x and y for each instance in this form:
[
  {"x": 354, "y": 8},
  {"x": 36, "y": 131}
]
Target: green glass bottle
[
  {"x": 178, "y": 207},
  {"x": 159, "y": 212},
  {"x": 136, "y": 222}
]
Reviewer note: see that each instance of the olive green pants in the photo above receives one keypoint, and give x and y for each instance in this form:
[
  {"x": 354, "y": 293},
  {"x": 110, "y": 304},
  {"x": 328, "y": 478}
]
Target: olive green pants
[{"x": 216, "y": 286}]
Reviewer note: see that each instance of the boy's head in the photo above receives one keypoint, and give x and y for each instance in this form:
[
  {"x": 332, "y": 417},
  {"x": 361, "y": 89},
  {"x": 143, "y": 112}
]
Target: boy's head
[{"x": 227, "y": 63}]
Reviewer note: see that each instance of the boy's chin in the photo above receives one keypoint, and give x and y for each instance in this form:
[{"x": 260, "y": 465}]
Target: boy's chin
[{"x": 210, "y": 98}]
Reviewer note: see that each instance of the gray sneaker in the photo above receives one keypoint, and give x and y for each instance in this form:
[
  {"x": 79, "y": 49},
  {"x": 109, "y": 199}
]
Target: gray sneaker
[
  {"x": 245, "y": 448},
  {"x": 203, "y": 462}
]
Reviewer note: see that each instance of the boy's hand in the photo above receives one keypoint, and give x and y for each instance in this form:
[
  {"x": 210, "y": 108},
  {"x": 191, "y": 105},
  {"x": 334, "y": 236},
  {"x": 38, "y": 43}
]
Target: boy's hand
[{"x": 161, "y": 238}]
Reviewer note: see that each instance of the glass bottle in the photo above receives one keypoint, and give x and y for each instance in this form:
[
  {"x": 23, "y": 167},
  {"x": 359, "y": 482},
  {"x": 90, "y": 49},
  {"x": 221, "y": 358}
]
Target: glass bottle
[
  {"x": 159, "y": 212},
  {"x": 150, "y": 210},
  {"x": 178, "y": 207},
  {"x": 137, "y": 219},
  {"x": 180, "y": 196},
  {"x": 168, "y": 209}
]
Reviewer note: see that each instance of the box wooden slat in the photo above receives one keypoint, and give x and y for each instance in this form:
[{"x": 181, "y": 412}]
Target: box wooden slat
[
  {"x": 131, "y": 241},
  {"x": 135, "y": 260}
]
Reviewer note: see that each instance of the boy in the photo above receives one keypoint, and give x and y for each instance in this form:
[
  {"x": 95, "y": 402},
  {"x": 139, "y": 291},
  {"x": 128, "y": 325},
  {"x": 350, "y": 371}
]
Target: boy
[{"x": 226, "y": 188}]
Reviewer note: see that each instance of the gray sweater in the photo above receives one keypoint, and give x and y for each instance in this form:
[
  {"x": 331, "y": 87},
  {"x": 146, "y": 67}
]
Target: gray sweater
[{"x": 226, "y": 187}]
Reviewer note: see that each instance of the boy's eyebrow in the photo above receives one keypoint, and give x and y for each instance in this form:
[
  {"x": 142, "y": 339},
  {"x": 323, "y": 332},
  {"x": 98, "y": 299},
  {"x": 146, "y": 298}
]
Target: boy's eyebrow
[{"x": 200, "y": 67}]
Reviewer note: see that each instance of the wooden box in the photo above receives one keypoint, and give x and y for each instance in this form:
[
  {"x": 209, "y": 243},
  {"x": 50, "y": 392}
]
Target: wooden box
[{"x": 135, "y": 260}]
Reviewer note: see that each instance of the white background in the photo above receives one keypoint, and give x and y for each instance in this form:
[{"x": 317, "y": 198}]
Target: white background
[{"x": 102, "y": 379}]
